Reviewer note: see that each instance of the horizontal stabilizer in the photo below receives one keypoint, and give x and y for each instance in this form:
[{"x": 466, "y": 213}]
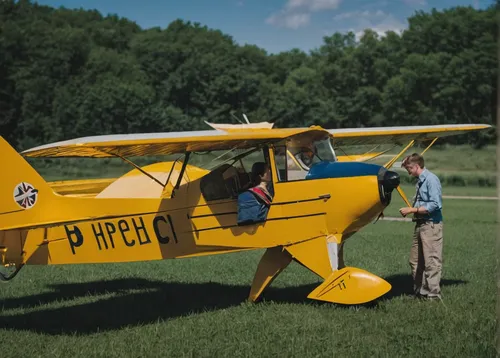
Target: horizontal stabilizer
[{"x": 350, "y": 286}]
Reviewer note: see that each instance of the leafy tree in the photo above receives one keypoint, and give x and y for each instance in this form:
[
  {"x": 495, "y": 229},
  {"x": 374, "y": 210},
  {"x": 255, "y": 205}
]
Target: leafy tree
[{"x": 69, "y": 73}]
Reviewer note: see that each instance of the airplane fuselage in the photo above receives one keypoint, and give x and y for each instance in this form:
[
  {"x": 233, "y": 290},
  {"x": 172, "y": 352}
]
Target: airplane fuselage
[{"x": 187, "y": 225}]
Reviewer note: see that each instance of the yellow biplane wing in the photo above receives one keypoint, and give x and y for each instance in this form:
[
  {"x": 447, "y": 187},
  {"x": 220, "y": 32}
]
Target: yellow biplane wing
[
  {"x": 399, "y": 135},
  {"x": 134, "y": 145},
  {"x": 405, "y": 135},
  {"x": 128, "y": 145}
]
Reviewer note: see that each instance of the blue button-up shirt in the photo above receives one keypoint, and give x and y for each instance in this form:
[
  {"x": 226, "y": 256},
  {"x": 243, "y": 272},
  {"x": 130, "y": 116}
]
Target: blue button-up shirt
[{"x": 429, "y": 195}]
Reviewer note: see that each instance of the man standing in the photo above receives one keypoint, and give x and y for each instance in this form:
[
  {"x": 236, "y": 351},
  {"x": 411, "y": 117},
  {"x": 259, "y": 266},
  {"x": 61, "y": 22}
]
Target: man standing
[{"x": 426, "y": 251}]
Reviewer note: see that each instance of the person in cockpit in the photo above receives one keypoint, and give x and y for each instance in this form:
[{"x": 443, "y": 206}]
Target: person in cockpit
[
  {"x": 300, "y": 160},
  {"x": 254, "y": 203},
  {"x": 306, "y": 156}
]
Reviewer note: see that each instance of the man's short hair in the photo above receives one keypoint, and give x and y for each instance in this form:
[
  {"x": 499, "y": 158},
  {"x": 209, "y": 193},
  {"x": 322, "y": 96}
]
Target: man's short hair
[{"x": 414, "y": 158}]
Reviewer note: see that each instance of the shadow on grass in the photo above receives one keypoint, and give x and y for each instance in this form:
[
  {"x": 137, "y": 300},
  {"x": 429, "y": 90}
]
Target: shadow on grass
[
  {"x": 141, "y": 301},
  {"x": 134, "y": 302},
  {"x": 402, "y": 285}
]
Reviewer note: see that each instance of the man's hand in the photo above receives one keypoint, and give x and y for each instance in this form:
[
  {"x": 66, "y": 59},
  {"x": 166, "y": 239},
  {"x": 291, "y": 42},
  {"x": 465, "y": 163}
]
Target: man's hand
[{"x": 406, "y": 211}]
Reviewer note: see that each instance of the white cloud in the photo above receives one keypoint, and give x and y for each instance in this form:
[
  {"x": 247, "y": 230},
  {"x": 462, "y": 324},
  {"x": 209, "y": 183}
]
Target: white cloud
[
  {"x": 297, "y": 13},
  {"x": 313, "y": 5},
  {"x": 375, "y": 4},
  {"x": 291, "y": 21},
  {"x": 415, "y": 2},
  {"x": 297, "y": 20},
  {"x": 357, "y": 14},
  {"x": 378, "y": 21}
]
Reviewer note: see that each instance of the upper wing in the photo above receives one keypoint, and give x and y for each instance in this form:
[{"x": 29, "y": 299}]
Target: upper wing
[
  {"x": 399, "y": 135},
  {"x": 130, "y": 145}
]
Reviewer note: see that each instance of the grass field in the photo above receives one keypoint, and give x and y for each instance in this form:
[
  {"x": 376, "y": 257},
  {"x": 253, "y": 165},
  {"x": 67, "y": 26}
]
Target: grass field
[
  {"x": 453, "y": 158},
  {"x": 196, "y": 307},
  {"x": 456, "y": 165},
  {"x": 455, "y": 190}
]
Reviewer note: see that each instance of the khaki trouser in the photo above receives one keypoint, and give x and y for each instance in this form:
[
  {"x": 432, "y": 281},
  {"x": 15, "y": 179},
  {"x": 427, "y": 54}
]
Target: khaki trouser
[{"x": 426, "y": 258}]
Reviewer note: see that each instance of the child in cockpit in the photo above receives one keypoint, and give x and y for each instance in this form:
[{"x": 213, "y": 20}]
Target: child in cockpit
[{"x": 254, "y": 203}]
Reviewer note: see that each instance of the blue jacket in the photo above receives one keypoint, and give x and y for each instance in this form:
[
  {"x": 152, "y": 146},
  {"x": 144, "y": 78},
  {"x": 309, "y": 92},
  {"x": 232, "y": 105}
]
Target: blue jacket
[{"x": 250, "y": 209}]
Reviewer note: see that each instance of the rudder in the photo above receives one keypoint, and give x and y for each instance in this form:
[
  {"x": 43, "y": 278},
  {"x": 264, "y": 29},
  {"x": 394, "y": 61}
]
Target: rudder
[{"x": 22, "y": 189}]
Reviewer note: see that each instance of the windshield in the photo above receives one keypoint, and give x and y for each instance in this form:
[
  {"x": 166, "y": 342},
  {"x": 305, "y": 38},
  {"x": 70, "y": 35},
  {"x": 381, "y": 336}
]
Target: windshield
[{"x": 303, "y": 156}]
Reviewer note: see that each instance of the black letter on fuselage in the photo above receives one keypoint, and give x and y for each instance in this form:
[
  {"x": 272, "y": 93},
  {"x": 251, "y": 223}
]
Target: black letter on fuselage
[
  {"x": 161, "y": 239},
  {"x": 110, "y": 228},
  {"x": 143, "y": 228},
  {"x": 79, "y": 237},
  {"x": 99, "y": 234},
  {"x": 172, "y": 227},
  {"x": 123, "y": 226}
]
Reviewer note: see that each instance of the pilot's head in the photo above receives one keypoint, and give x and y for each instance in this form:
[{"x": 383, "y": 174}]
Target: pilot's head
[
  {"x": 306, "y": 155},
  {"x": 260, "y": 173}
]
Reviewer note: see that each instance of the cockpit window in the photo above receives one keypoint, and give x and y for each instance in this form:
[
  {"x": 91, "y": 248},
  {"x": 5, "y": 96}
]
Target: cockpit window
[
  {"x": 324, "y": 150},
  {"x": 232, "y": 175},
  {"x": 300, "y": 157}
]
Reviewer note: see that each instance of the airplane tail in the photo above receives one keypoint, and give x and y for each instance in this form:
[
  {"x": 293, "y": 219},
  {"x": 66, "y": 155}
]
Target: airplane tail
[
  {"x": 24, "y": 194},
  {"x": 25, "y": 200}
]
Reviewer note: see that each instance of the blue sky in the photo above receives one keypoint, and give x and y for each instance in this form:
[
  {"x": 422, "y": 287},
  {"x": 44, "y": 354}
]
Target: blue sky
[{"x": 275, "y": 25}]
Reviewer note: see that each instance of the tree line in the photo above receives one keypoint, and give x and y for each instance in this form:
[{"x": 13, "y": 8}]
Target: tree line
[{"x": 70, "y": 73}]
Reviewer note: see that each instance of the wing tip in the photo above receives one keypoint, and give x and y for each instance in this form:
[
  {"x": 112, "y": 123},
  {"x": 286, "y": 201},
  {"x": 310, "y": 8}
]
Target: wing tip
[{"x": 381, "y": 131}]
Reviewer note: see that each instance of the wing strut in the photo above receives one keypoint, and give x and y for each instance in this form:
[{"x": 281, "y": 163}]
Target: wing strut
[
  {"x": 403, "y": 196},
  {"x": 393, "y": 160},
  {"x": 140, "y": 169},
  {"x": 181, "y": 174},
  {"x": 172, "y": 168},
  {"x": 430, "y": 145}
]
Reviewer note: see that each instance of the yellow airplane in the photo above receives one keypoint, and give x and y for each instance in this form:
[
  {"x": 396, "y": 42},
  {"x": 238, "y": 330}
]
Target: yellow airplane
[{"x": 188, "y": 207}]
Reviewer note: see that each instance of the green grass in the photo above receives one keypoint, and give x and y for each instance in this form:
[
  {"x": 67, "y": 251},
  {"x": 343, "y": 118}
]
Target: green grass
[
  {"x": 446, "y": 158},
  {"x": 461, "y": 158},
  {"x": 455, "y": 190},
  {"x": 457, "y": 166},
  {"x": 460, "y": 179},
  {"x": 196, "y": 307}
]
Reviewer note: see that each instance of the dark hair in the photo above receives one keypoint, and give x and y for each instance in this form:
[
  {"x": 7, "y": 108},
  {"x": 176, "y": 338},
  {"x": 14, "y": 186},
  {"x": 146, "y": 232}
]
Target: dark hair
[{"x": 258, "y": 169}]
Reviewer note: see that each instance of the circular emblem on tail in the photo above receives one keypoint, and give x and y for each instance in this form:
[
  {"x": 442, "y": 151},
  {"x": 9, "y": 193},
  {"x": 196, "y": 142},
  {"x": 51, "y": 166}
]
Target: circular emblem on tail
[{"x": 25, "y": 195}]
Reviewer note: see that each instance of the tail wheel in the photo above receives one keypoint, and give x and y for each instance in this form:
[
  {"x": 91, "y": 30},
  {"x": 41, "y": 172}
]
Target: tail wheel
[{"x": 8, "y": 272}]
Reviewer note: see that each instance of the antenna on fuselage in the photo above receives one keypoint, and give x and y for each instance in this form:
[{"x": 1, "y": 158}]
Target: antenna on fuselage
[{"x": 246, "y": 118}]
